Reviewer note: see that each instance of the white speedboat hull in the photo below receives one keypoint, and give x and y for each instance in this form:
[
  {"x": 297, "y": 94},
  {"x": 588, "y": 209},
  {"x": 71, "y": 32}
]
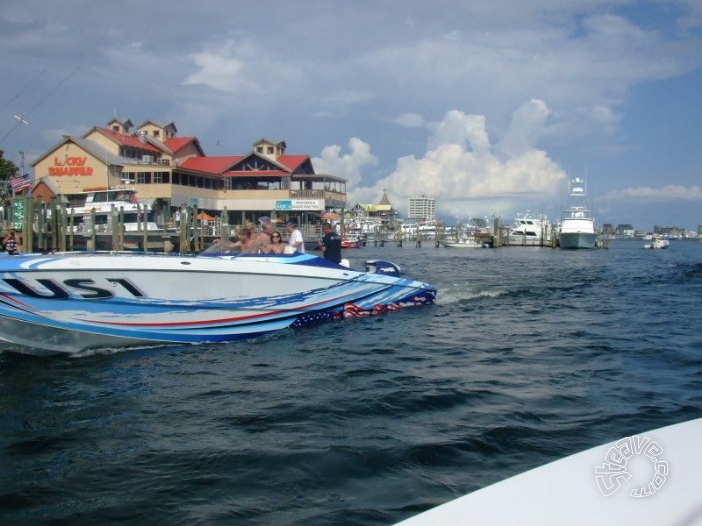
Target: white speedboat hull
[
  {"x": 73, "y": 302},
  {"x": 658, "y": 244}
]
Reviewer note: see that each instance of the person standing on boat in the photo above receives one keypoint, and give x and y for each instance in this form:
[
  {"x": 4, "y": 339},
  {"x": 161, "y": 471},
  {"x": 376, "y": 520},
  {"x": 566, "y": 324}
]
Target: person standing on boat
[
  {"x": 11, "y": 242},
  {"x": 295, "y": 238},
  {"x": 331, "y": 244}
]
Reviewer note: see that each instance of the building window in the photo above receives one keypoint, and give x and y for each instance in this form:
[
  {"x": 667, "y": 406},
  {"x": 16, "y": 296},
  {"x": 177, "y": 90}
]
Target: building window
[
  {"x": 270, "y": 149},
  {"x": 141, "y": 178},
  {"x": 228, "y": 183},
  {"x": 157, "y": 133},
  {"x": 158, "y": 177},
  {"x": 259, "y": 149}
]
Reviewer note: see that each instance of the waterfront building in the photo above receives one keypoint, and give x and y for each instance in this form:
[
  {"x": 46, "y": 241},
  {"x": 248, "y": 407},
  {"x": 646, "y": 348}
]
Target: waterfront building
[
  {"x": 422, "y": 209},
  {"x": 171, "y": 172},
  {"x": 376, "y": 219},
  {"x": 624, "y": 230}
]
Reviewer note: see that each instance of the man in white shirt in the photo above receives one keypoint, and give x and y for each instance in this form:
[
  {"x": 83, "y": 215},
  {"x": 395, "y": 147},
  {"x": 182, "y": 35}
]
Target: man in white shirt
[{"x": 295, "y": 238}]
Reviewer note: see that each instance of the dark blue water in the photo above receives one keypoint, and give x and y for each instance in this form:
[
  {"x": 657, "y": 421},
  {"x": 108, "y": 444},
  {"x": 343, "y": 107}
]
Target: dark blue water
[{"x": 529, "y": 355}]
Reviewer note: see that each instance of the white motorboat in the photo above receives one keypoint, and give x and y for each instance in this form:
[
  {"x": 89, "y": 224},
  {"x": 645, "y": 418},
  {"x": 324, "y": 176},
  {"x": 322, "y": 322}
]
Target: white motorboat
[
  {"x": 577, "y": 229},
  {"x": 463, "y": 242},
  {"x": 657, "y": 243},
  {"x": 75, "y": 302},
  {"x": 530, "y": 230},
  {"x": 104, "y": 203}
]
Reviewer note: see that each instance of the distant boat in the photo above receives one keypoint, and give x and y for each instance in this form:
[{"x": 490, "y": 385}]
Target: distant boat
[
  {"x": 530, "y": 231},
  {"x": 657, "y": 243},
  {"x": 577, "y": 228},
  {"x": 463, "y": 242},
  {"x": 351, "y": 241}
]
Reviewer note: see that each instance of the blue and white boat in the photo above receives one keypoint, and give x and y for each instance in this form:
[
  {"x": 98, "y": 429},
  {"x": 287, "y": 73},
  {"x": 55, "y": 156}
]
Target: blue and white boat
[{"x": 77, "y": 302}]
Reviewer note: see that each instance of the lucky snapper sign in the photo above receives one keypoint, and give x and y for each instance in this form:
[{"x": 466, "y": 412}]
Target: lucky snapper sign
[{"x": 70, "y": 166}]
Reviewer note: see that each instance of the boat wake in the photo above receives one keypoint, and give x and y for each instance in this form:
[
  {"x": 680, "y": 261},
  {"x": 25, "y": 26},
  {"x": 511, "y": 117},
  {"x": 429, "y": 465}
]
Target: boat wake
[{"x": 450, "y": 297}]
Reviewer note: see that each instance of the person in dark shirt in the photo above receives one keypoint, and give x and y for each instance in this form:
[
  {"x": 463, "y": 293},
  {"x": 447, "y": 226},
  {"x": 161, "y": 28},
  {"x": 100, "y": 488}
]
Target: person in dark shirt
[{"x": 331, "y": 244}]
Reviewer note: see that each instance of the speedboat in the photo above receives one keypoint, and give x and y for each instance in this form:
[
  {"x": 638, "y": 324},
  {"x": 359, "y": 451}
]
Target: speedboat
[
  {"x": 657, "y": 243},
  {"x": 76, "y": 302},
  {"x": 577, "y": 222}
]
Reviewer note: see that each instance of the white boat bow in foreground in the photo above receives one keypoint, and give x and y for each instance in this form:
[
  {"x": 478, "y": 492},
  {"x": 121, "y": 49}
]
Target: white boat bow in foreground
[
  {"x": 649, "y": 478},
  {"x": 73, "y": 302}
]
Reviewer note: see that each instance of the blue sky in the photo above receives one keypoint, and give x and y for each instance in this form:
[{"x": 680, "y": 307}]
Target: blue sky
[{"x": 490, "y": 107}]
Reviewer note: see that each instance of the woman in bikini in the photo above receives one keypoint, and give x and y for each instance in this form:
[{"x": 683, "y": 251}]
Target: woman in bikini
[{"x": 276, "y": 246}]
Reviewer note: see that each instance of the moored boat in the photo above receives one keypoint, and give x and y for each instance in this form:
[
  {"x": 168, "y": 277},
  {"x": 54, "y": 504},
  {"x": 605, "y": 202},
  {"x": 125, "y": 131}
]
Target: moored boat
[
  {"x": 463, "y": 242},
  {"x": 577, "y": 229},
  {"x": 76, "y": 302},
  {"x": 529, "y": 230},
  {"x": 102, "y": 203}
]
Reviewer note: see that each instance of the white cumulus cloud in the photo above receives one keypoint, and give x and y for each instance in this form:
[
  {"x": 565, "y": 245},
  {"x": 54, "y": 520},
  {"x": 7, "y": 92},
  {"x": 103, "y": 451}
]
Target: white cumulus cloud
[
  {"x": 222, "y": 70},
  {"x": 346, "y": 165},
  {"x": 409, "y": 120},
  {"x": 461, "y": 170}
]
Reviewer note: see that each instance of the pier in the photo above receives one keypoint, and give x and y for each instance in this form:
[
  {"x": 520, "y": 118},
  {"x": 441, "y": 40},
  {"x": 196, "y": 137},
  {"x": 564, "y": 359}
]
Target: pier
[{"x": 53, "y": 227}]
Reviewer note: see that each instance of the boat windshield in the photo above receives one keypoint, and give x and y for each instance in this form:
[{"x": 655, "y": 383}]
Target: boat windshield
[{"x": 219, "y": 247}]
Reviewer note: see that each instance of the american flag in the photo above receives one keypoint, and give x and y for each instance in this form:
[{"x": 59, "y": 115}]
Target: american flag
[{"x": 19, "y": 183}]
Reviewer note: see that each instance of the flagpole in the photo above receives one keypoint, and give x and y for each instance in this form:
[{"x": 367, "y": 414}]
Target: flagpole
[{"x": 22, "y": 164}]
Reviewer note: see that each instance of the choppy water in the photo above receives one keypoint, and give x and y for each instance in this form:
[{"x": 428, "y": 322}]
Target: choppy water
[{"x": 529, "y": 355}]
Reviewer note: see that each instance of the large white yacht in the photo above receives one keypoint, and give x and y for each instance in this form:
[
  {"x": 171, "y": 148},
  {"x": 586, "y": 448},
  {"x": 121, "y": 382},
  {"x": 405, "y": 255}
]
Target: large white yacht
[
  {"x": 530, "y": 230},
  {"x": 577, "y": 223},
  {"x": 106, "y": 202}
]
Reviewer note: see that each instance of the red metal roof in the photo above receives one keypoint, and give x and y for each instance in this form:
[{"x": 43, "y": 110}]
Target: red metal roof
[
  {"x": 292, "y": 162},
  {"x": 222, "y": 166},
  {"x": 127, "y": 140},
  {"x": 265, "y": 173},
  {"x": 210, "y": 165},
  {"x": 176, "y": 143}
]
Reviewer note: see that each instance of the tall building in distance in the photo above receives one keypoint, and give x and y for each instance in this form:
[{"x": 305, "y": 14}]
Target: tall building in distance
[{"x": 422, "y": 208}]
